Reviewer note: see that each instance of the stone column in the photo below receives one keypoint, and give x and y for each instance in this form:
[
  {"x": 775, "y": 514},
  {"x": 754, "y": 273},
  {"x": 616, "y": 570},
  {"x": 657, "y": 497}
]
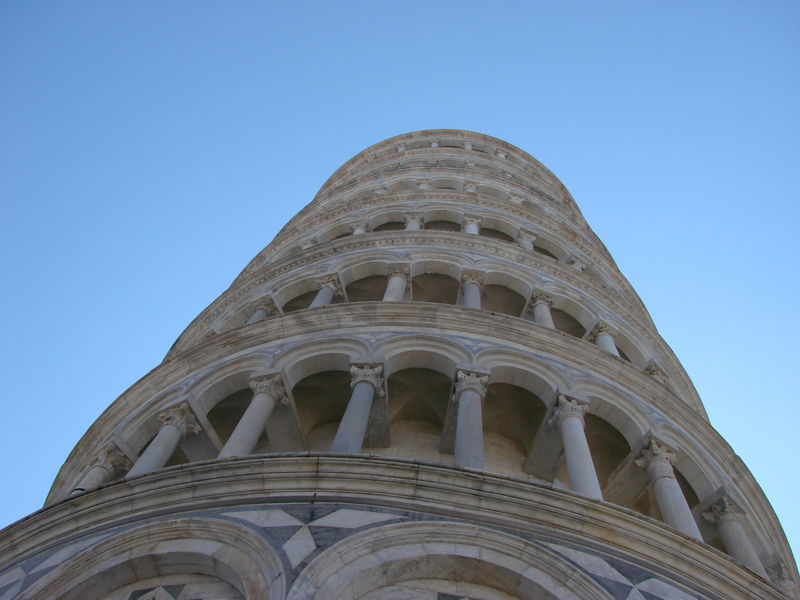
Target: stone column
[
  {"x": 470, "y": 390},
  {"x": 602, "y": 336},
  {"x": 176, "y": 423},
  {"x": 526, "y": 239},
  {"x": 266, "y": 391},
  {"x": 106, "y": 462},
  {"x": 728, "y": 517},
  {"x": 540, "y": 305},
  {"x": 658, "y": 459},
  {"x": 568, "y": 414},
  {"x": 472, "y": 284},
  {"x": 414, "y": 221},
  {"x": 329, "y": 288},
  {"x": 396, "y": 283},
  {"x": 366, "y": 382},
  {"x": 264, "y": 309},
  {"x": 359, "y": 228},
  {"x": 472, "y": 224}
]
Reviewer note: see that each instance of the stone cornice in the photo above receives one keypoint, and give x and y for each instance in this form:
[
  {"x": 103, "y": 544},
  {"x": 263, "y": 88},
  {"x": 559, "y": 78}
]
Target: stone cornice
[{"x": 520, "y": 506}]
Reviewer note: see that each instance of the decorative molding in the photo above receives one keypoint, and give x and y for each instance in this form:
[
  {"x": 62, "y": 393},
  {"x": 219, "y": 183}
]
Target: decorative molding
[{"x": 372, "y": 373}]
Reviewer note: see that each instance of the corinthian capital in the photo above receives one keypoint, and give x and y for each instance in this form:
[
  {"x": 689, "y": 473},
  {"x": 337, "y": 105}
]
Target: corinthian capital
[
  {"x": 271, "y": 385},
  {"x": 601, "y": 329},
  {"x": 724, "y": 509},
  {"x": 540, "y": 297},
  {"x": 655, "y": 372},
  {"x": 111, "y": 458},
  {"x": 471, "y": 380},
  {"x": 657, "y": 458},
  {"x": 182, "y": 417},
  {"x": 331, "y": 281},
  {"x": 372, "y": 373},
  {"x": 415, "y": 217},
  {"x": 472, "y": 220},
  {"x": 469, "y": 276},
  {"x": 568, "y": 407},
  {"x": 397, "y": 269},
  {"x": 524, "y": 236}
]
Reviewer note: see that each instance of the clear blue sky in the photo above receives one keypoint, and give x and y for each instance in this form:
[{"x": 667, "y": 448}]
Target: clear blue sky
[{"x": 150, "y": 149}]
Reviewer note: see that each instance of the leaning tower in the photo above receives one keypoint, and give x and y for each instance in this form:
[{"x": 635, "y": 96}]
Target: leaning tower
[{"x": 433, "y": 384}]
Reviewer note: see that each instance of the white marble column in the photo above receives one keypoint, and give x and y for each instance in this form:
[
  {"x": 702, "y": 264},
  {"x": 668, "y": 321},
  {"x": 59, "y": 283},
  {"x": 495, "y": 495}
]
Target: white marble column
[
  {"x": 176, "y": 423},
  {"x": 728, "y": 517},
  {"x": 603, "y": 338},
  {"x": 267, "y": 390},
  {"x": 540, "y": 306},
  {"x": 470, "y": 390},
  {"x": 568, "y": 414},
  {"x": 396, "y": 283},
  {"x": 329, "y": 288},
  {"x": 658, "y": 459},
  {"x": 472, "y": 224},
  {"x": 414, "y": 221},
  {"x": 264, "y": 309},
  {"x": 366, "y": 382},
  {"x": 526, "y": 239},
  {"x": 107, "y": 462},
  {"x": 359, "y": 228},
  {"x": 472, "y": 285}
]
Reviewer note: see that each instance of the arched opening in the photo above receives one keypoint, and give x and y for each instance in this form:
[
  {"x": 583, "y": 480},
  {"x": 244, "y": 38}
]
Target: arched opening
[
  {"x": 321, "y": 400},
  {"x": 418, "y": 399},
  {"x": 367, "y": 289},
  {"x": 511, "y": 417},
  {"x": 442, "y": 226},
  {"x": 390, "y": 226},
  {"x": 495, "y": 234},
  {"x": 500, "y": 299},
  {"x": 434, "y": 287},
  {"x": 565, "y": 322},
  {"x": 544, "y": 251}
]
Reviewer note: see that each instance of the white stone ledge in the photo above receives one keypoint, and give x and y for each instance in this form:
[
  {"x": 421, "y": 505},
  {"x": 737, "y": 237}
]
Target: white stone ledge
[{"x": 516, "y": 505}]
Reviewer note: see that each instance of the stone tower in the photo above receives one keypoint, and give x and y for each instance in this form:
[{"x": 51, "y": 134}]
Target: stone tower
[{"x": 433, "y": 384}]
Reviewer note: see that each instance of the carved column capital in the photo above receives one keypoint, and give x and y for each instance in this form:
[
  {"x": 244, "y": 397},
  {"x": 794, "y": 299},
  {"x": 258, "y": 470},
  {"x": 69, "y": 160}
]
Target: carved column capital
[
  {"x": 309, "y": 243},
  {"x": 471, "y": 380},
  {"x": 111, "y": 458},
  {"x": 332, "y": 281},
  {"x": 181, "y": 417},
  {"x": 576, "y": 264},
  {"x": 423, "y": 184},
  {"x": 272, "y": 385},
  {"x": 539, "y": 297},
  {"x": 472, "y": 220},
  {"x": 267, "y": 304},
  {"x": 359, "y": 227},
  {"x": 398, "y": 269},
  {"x": 469, "y": 276},
  {"x": 568, "y": 407},
  {"x": 525, "y": 238},
  {"x": 601, "y": 328},
  {"x": 655, "y": 372},
  {"x": 372, "y": 373},
  {"x": 723, "y": 509},
  {"x": 417, "y": 217},
  {"x": 471, "y": 186},
  {"x": 657, "y": 458}
]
